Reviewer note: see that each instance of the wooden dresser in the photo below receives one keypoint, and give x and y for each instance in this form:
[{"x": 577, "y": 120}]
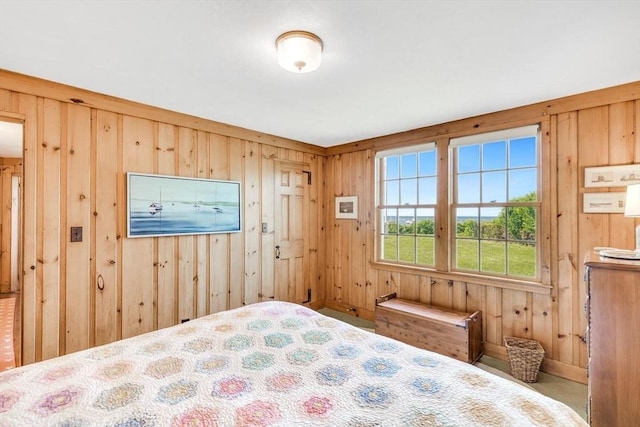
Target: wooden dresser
[{"x": 613, "y": 316}]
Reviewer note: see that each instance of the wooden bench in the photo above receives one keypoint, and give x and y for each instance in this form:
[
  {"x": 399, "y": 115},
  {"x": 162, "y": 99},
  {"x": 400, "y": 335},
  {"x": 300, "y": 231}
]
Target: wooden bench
[{"x": 452, "y": 333}]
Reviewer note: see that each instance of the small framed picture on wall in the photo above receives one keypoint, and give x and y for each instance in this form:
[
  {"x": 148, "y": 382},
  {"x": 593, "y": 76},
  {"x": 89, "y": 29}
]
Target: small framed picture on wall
[{"x": 347, "y": 207}]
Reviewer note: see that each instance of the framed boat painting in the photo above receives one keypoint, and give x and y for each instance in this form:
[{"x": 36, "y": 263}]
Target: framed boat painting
[{"x": 161, "y": 205}]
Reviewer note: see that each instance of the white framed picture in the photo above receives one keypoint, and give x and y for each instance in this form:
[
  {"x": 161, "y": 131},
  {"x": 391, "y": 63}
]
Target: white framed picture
[
  {"x": 347, "y": 207},
  {"x": 612, "y": 176},
  {"x": 603, "y": 202}
]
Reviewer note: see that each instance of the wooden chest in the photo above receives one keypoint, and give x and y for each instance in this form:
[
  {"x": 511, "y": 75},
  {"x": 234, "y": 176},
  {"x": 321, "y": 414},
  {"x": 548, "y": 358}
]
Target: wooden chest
[{"x": 448, "y": 332}]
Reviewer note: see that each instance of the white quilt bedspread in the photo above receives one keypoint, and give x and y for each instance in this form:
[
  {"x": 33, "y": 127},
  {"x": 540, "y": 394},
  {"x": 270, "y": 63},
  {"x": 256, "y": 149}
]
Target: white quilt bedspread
[{"x": 267, "y": 364}]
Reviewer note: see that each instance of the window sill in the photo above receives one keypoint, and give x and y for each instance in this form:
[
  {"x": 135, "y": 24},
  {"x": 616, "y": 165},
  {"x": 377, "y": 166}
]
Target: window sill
[{"x": 497, "y": 282}]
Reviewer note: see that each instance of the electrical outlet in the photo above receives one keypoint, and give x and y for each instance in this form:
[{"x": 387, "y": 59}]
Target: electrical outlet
[{"x": 76, "y": 234}]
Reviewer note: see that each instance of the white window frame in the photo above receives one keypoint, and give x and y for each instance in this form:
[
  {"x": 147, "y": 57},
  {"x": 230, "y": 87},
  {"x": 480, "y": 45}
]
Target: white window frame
[
  {"x": 488, "y": 137},
  {"x": 379, "y": 197}
]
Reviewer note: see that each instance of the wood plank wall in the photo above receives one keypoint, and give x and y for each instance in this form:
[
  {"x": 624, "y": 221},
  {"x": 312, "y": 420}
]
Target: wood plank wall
[
  {"x": 108, "y": 287},
  {"x": 594, "y": 129},
  {"x": 74, "y": 174}
]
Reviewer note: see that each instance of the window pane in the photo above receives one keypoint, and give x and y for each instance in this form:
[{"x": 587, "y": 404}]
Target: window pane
[
  {"x": 522, "y": 182},
  {"x": 492, "y": 224},
  {"x": 493, "y": 257},
  {"x": 494, "y": 155},
  {"x": 407, "y": 248},
  {"x": 522, "y": 259},
  {"x": 522, "y": 152},
  {"x": 469, "y": 188},
  {"x": 389, "y": 219},
  {"x": 392, "y": 168},
  {"x": 392, "y": 193},
  {"x": 427, "y": 163},
  {"x": 467, "y": 254},
  {"x": 494, "y": 187},
  {"x": 467, "y": 223},
  {"x": 390, "y": 248},
  {"x": 427, "y": 190},
  {"x": 408, "y": 191},
  {"x": 521, "y": 223},
  {"x": 425, "y": 223},
  {"x": 406, "y": 221},
  {"x": 468, "y": 158},
  {"x": 409, "y": 167},
  {"x": 425, "y": 250}
]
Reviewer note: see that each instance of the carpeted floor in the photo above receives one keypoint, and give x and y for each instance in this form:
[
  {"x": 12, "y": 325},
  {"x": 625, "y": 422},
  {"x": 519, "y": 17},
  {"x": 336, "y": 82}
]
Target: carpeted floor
[{"x": 568, "y": 392}]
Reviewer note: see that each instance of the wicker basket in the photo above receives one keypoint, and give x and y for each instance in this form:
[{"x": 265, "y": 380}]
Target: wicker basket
[{"x": 525, "y": 357}]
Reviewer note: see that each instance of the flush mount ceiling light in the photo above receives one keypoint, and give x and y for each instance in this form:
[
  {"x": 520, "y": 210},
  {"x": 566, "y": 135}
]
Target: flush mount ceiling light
[{"x": 299, "y": 51}]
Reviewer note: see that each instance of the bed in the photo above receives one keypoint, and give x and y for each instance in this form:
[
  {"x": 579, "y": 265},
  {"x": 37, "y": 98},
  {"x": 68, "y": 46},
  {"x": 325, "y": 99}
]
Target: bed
[{"x": 267, "y": 364}]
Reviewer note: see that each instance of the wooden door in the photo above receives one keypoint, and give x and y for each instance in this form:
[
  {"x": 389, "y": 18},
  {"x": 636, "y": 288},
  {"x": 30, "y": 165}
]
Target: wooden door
[{"x": 291, "y": 232}]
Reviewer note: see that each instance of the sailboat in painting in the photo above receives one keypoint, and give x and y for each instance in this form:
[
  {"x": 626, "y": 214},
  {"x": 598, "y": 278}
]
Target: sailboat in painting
[{"x": 155, "y": 207}]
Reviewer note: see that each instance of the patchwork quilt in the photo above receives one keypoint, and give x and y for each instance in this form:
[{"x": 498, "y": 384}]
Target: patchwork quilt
[{"x": 267, "y": 364}]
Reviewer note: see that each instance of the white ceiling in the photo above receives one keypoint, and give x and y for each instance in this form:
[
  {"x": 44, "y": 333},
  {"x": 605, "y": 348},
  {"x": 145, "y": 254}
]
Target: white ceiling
[{"x": 388, "y": 66}]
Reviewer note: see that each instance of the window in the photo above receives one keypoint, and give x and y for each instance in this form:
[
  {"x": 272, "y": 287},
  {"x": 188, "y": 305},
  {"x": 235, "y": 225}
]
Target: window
[
  {"x": 406, "y": 205},
  {"x": 496, "y": 202},
  {"x": 493, "y": 207}
]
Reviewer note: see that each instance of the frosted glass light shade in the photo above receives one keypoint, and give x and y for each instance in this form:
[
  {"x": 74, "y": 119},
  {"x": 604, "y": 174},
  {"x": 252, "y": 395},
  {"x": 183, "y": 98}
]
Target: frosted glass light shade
[
  {"x": 632, "y": 204},
  {"x": 632, "y": 208},
  {"x": 299, "y": 51}
]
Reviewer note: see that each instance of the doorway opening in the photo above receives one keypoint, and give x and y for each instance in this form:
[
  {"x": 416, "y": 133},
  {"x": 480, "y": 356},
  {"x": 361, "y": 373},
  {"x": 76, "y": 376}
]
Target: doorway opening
[{"x": 11, "y": 172}]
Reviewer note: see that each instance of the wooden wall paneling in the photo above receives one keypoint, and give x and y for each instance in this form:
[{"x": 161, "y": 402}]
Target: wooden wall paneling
[
  {"x": 202, "y": 241},
  {"x": 493, "y": 316},
  {"x": 542, "y": 321},
  {"x": 459, "y": 295},
  {"x": 328, "y": 216},
  {"x": 166, "y": 275},
  {"x": 267, "y": 207},
  {"x": 442, "y": 209},
  {"x": 369, "y": 227},
  {"x": 514, "y": 313},
  {"x": 338, "y": 230},
  {"x": 56, "y": 91},
  {"x": 27, "y": 106},
  {"x": 442, "y": 293},
  {"x": 252, "y": 217},
  {"x": 78, "y": 285},
  {"x": 105, "y": 197},
  {"x": 219, "y": 261},
  {"x": 409, "y": 286},
  {"x": 621, "y": 151},
  {"x": 475, "y": 297},
  {"x": 186, "y": 248},
  {"x": 424, "y": 294},
  {"x": 236, "y": 254},
  {"x": 50, "y": 251},
  {"x": 137, "y": 253},
  {"x": 547, "y": 171},
  {"x": 358, "y": 259},
  {"x": 31, "y": 292},
  {"x": 552, "y": 192},
  {"x": 185, "y": 283},
  {"x": 593, "y": 146},
  {"x": 568, "y": 209},
  {"x": 347, "y": 232}
]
